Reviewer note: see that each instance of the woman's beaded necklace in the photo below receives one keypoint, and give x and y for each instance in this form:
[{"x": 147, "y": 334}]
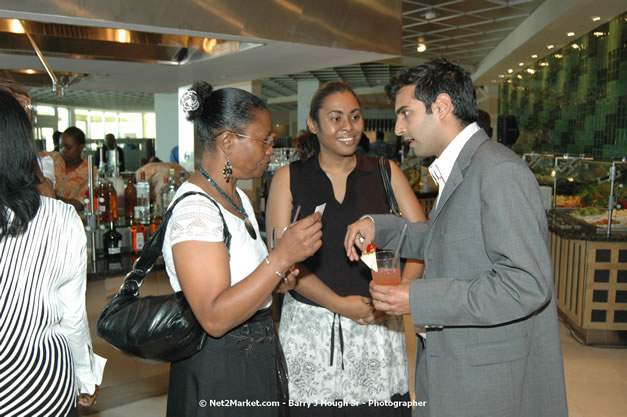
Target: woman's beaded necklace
[{"x": 249, "y": 226}]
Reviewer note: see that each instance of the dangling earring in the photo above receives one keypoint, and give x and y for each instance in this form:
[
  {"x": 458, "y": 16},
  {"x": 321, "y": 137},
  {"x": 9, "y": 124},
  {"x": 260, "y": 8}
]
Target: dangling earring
[{"x": 227, "y": 170}]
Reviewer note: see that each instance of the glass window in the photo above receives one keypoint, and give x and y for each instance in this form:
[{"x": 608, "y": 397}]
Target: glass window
[
  {"x": 150, "y": 125},
  {"x": 96, "y": 125},
  {"x": 81, "y": 117},
  {"x": 111, "y": 124},
  {"x": 63, "y": 118},
  {"x": 44, "y": 110},
  {"x": 131, "y": 125}
]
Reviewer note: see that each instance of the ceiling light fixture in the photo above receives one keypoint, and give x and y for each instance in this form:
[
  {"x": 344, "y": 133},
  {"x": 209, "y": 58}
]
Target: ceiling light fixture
[
  {"x": 520, "y": 64},
  {"x": 599, "y": 34},
  {"x": 596, "y": 18},
  {"x": 558, "y": 56},
  {"x": 534, "y": 56},
  {"x": 421, "y": 47},
  {"x": 519, "y": 77},
  {"x": 575, "y": 46},
  {"x": 531, "y": 71},
  {"x": 510, "y": 70},
  {"x": 550, "y": 46},
  {"x": 16, "y": 26},
  {"x": 570, "y": 34},
  {"x": 501, "y": 76},
  {"x": 544, "y": 64}
]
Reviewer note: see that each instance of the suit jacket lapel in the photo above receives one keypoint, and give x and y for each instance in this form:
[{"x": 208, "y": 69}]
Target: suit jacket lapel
[{"x": 457, "y": 174}]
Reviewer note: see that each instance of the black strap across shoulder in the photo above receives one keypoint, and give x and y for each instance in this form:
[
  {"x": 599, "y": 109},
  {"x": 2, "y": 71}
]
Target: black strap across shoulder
[
  {"x": 387, "y": 185},
  {"x": 152, "y": 249}
]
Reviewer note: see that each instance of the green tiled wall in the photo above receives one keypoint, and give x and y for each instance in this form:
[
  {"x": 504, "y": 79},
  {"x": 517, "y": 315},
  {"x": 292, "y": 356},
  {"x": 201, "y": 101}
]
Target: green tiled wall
[{"x": 578, "y": 103}]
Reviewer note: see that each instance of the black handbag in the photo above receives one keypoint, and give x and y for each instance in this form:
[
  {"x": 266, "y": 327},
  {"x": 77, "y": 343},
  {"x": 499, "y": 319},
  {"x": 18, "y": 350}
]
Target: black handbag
[
  {"x": 159, "y": 328},
  {"x": 389, "y": 192}
]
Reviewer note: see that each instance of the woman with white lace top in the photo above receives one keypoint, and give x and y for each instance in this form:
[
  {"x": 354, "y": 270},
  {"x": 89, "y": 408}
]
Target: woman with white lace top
[{"x": 229, "y": 285}]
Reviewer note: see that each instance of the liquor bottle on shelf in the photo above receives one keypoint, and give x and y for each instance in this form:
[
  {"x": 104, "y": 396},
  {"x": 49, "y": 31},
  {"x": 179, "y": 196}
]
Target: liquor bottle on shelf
[
  {"x": 138, "y": 231},
  {"x": 143, "y": 191},
  {"x": 130, "y": 199},
  {"x": 112, "y": 213},
  {"x": 172, "y": 186},
  {"x": 181, "y": 178},
  {"x": 155, "y": 219},
  {"x": 102, "y": 202},
  {"x": 112, "y": 242},
  {"x": 164, "y": 195}
]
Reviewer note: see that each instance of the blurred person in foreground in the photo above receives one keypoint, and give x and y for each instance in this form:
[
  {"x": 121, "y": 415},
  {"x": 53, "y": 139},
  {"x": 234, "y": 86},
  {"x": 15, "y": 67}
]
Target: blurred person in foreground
[
  {"x": 492, "y": 345},
  {"x": 45, "y": 164},
  {"x": 337, "y": 347},
  {"x": 230, "y": 288},
  {"x": 47, "y": 364}
]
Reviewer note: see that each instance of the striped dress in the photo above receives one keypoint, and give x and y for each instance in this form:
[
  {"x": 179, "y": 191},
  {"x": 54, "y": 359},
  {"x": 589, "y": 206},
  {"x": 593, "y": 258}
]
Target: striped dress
[{"x": 46, "y": 357}]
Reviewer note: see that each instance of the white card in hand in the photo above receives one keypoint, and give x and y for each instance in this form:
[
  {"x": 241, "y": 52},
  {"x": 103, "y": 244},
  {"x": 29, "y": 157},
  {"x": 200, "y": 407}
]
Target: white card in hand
[{"x": 320, "y": 208}]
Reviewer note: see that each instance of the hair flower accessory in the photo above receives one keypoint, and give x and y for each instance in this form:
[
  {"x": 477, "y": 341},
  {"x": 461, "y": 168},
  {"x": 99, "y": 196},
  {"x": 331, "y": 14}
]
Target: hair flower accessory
[{"x": 189, "y": 101}]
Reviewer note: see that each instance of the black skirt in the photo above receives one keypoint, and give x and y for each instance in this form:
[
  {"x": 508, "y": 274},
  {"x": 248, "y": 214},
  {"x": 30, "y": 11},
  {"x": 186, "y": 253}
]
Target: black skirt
[{"x": 238, "y": 374}]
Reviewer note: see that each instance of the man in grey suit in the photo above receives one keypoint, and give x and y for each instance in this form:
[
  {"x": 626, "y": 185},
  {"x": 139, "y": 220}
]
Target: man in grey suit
[{"x": 491, "y": 346}]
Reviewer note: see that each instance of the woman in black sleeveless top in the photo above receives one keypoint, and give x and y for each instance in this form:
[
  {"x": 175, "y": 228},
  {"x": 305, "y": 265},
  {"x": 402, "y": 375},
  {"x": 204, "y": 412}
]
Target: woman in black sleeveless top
[{"x": 340, "y": 352}]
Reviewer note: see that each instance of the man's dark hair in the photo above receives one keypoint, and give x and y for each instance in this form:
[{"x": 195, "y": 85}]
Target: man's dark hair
[{"x": 434, "y": 78}]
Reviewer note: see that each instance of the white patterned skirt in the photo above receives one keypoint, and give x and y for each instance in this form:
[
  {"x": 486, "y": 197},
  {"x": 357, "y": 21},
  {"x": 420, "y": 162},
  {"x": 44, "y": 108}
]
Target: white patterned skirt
[{"x": 331, "y": 357}]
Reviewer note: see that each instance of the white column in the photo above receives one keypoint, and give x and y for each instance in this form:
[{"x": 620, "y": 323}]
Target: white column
[
  {"x": 306, "y": 90},
  {"x": 167, "y": 123}
]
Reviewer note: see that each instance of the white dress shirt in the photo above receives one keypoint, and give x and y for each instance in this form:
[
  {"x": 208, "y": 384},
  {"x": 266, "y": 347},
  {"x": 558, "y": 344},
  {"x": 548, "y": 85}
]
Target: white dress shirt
[{"x": 441, "y": 168}]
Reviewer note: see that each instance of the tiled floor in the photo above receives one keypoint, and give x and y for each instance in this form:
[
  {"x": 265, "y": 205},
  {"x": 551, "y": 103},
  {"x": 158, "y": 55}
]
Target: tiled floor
[{"x": 596, "y": 378}]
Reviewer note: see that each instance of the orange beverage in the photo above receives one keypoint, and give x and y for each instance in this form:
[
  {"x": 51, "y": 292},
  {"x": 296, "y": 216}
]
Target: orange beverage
[{"x": 388, "y": 269}]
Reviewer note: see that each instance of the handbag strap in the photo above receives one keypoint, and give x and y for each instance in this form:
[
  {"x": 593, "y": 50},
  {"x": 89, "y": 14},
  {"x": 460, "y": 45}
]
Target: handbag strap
[
  {"x": 389, "y": 192},
  {"x": 152, "y": 248}
]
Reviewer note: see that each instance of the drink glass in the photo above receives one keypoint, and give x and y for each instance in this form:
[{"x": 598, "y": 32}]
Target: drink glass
[
  {"x": 389, "y": 268},
  {"x": 277, "y": 234}
]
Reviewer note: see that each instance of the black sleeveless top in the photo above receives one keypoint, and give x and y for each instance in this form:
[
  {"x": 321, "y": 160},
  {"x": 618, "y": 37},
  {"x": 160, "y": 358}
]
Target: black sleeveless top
[{"x": 365, "y": 194}]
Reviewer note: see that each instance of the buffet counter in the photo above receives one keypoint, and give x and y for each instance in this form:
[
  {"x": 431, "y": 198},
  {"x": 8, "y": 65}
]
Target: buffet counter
[{"x": 590, "y": 273}]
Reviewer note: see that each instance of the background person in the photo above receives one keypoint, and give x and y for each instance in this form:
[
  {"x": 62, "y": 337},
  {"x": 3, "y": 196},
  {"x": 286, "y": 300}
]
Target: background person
[
  {"x": 331, "y": 353},
  {"x": 492, "y": 345},
  {"x": 229, "y": 290},
  {"x": 71, "y": 173},
  {"x": 47, "y": 361},
  {"x": 109, "y": 145}
]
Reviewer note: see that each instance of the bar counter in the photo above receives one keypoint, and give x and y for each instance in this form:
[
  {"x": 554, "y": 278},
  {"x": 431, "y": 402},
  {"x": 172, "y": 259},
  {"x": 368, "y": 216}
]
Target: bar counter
[
  {"x": 590, "y": 273},
  {"x": 107, "y": 268}
]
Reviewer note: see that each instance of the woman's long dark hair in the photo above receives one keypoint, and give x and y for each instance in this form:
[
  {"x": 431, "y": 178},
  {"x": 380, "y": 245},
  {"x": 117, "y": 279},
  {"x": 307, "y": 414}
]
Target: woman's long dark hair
[{"x": 18, "y": 178}]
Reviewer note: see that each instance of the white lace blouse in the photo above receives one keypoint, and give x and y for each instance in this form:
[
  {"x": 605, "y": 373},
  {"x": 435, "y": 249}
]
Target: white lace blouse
[{"x": 196, "y": 218}]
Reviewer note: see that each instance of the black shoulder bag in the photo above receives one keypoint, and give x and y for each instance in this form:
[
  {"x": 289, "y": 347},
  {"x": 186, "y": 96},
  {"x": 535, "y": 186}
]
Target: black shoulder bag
[
  {"x": 160, "y": 328},
  {"x": 387, "y": 185}
]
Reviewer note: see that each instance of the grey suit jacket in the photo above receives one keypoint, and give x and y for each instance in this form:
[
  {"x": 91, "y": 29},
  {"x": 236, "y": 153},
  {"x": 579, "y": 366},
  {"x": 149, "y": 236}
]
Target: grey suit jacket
[{"x": 493, "y": 345}]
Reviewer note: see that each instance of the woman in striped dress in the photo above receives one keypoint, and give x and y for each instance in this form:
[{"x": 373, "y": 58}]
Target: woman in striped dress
[{"x": 46, "y": 358}]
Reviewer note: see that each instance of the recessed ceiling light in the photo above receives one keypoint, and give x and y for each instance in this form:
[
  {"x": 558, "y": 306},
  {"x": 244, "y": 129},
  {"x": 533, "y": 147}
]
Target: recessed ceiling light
[
  {"x": 16, "y": 26},
  {"x": 421, "y": 47},
  {"x": 558, "y": 56},
  {"x": 575, "y": 46},
  {"x": 599, "y": 34},
  {"x": 550, "y": 46},
  {"x": 519, "y": 76},
  {"x": 570, "y": 34},
  {"x": 510, "y": 70},
  {"x": 534, "y": 56},
  {"x": 596, "y": 18},
  {"x": 501, "y": 76},
  {"x": 520, "y": 64},
  {"x": 531, "y": 71},
  {"x": 544, "y": 64}
]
